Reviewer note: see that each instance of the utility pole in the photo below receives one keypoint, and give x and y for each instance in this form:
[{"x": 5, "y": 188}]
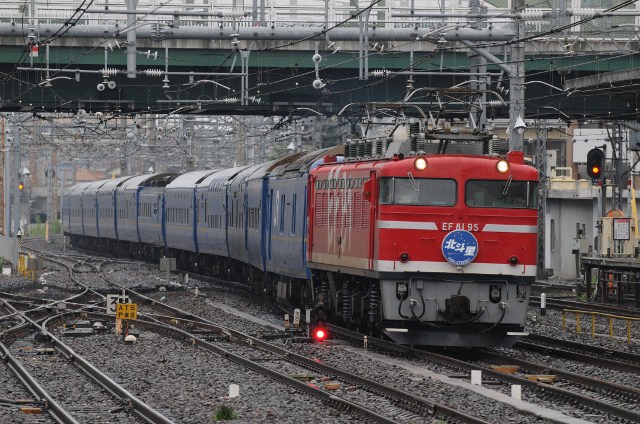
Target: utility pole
[
  {"x": 478, "y": 63},
  {"x": 516, "y": 92},
  {"x": 50, "y": 174},
  {"x": 541, "y": 163},
  {"x": 14, "y": 187}
]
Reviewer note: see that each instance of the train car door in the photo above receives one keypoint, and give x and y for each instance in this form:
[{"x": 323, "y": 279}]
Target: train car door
[
  {"x": 245, "y": 216},
  {"x": 157, "y": 216},
  {"x": 267, "y": 221}
]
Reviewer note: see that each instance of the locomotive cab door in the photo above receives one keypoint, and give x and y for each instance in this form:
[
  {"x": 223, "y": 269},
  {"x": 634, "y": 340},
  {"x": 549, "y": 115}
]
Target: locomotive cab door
[{"x": 371, "y": 199}]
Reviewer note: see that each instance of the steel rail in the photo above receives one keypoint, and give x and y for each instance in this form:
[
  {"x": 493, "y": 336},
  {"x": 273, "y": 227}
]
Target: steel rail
[
  {"x": 276, "y": 375},
  {"x": 511, "y": 379},
  {"x": 432, "y": 407},
  {"x": 623, "y": 356},
  {"x": 629, "y": 392},
  {"x": 424, "y": 403},
  {"x": 594, "y": 360},
  {"x": 89, "y": 370},
  {"x": 140, "y": 407},
  {"x": 53, "y": 407},
  {"x": 560, "y": 304}
]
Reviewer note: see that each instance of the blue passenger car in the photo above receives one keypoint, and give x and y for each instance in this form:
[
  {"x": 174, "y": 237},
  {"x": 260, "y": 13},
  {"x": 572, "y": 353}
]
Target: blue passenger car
[
  {"x": 89, "y": 204},
  {"x": 181, "y": 211},
  {"x": 237, "y": 212},
  {"x": 211, "y": 225},
  {"x": 72, "y": 210},
  {"x": 106, "y": 201},
  {"x": 286, "y": 230}
]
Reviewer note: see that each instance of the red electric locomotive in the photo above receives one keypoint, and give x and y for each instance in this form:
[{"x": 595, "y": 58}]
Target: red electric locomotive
[{"x": 435, "y": 249}]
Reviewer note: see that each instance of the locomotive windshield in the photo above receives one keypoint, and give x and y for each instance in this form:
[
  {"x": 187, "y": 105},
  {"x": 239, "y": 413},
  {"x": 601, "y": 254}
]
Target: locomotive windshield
[
  {"x": 502, "y": 194},
  {"x": 418, "y": 191}
]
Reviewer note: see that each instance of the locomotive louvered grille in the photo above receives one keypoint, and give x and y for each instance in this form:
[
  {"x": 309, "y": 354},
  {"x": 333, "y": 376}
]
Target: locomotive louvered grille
[
  {"x": 322, "y": 210},
  {"x": 357, "y": 210},
  {"x": 366, "y": 213},
  {"x": 338, "y": 207},
  {"x": 348, "y": 210}
]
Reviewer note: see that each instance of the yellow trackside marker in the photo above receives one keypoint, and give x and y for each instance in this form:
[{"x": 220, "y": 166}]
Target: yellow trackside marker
[{"x": 126, "y": 311}]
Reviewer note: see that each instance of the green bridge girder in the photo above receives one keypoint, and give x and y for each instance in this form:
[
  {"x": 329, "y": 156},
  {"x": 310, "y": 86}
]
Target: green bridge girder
[{"x": 282, "y": 80}]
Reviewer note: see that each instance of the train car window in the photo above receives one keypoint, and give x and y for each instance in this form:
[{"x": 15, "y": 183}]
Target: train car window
[
  {"x": 507, "y": 194},
  {"x": 418, "y": 191},
  {"x": 293, "y": 214},
  {"x": 282, "y": 204}
]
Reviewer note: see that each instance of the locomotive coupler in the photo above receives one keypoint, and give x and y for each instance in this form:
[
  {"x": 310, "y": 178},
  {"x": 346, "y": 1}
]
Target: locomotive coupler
[{"x": 458, "y": 307}]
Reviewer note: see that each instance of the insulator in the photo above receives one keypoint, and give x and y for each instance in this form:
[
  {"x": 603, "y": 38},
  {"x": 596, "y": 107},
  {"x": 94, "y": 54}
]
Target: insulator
[
  {"x": 346, "y": 149},
  {"x": 485, "y": 147},
  {"x": 230, "y": 100},
  {"x": 231, "y": 14},
  {"x": 153, "y": 72},
  {"x": 584, "y": 13},
  {"x": 414, "y": 143},
  {"x": 494, "y": 103},
  {"x": 532, "y": 14},
  {"x": 389, "y": 141},
  {"x": 380, "y": 73},
  {"x": 368, "y": 148},
  {"x": 414, "y": 128},
  {"x": 379, "y": 147},
  {"x": 361, "y": 148},
  {"x": 353, "y": 149},
  {"x": 422, "y": 142},
  {"x": 109, "y": 72}
]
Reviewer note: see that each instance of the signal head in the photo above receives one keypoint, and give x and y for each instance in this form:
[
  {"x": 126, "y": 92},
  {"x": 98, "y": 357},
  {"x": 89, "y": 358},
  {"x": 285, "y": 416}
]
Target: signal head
[
  {"x": 595, "y": 163},
  {"x": 320, "y": 334}
]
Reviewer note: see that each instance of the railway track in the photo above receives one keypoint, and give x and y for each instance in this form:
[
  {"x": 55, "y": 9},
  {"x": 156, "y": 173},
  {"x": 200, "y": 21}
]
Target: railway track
[
  {"x": 586, "y": 402},
  {"x": 49, "y": 368},
  {"x": 397, "y": 403},
  {"x": 555, "y": 303},
  {"x": 613, "y": 359},
  {"x": 620, "y": 406}
]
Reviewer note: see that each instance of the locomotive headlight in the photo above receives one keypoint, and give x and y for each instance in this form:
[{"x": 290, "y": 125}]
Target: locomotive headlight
[
  {"x": 502, "y": 166},
  {"x": 420, "y": 164}
]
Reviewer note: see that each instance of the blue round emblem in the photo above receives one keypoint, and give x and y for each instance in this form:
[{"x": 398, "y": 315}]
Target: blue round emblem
[{"x": 459, "y": 247}]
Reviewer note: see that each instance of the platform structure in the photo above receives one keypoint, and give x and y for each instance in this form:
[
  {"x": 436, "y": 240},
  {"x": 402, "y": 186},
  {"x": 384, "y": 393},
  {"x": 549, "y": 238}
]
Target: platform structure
[{"x": 617, "y": 279}]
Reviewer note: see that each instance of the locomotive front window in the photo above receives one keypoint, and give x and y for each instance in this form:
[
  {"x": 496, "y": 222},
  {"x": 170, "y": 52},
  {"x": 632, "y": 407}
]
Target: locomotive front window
[
  {"x": 507, "y": 194},
  {"x": 418, "y": 191}
]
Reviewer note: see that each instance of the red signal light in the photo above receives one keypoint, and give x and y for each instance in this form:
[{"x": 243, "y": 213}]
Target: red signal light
[
  {"x": 595, "y": 170},
  {"x": 319, "y": 334}
]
